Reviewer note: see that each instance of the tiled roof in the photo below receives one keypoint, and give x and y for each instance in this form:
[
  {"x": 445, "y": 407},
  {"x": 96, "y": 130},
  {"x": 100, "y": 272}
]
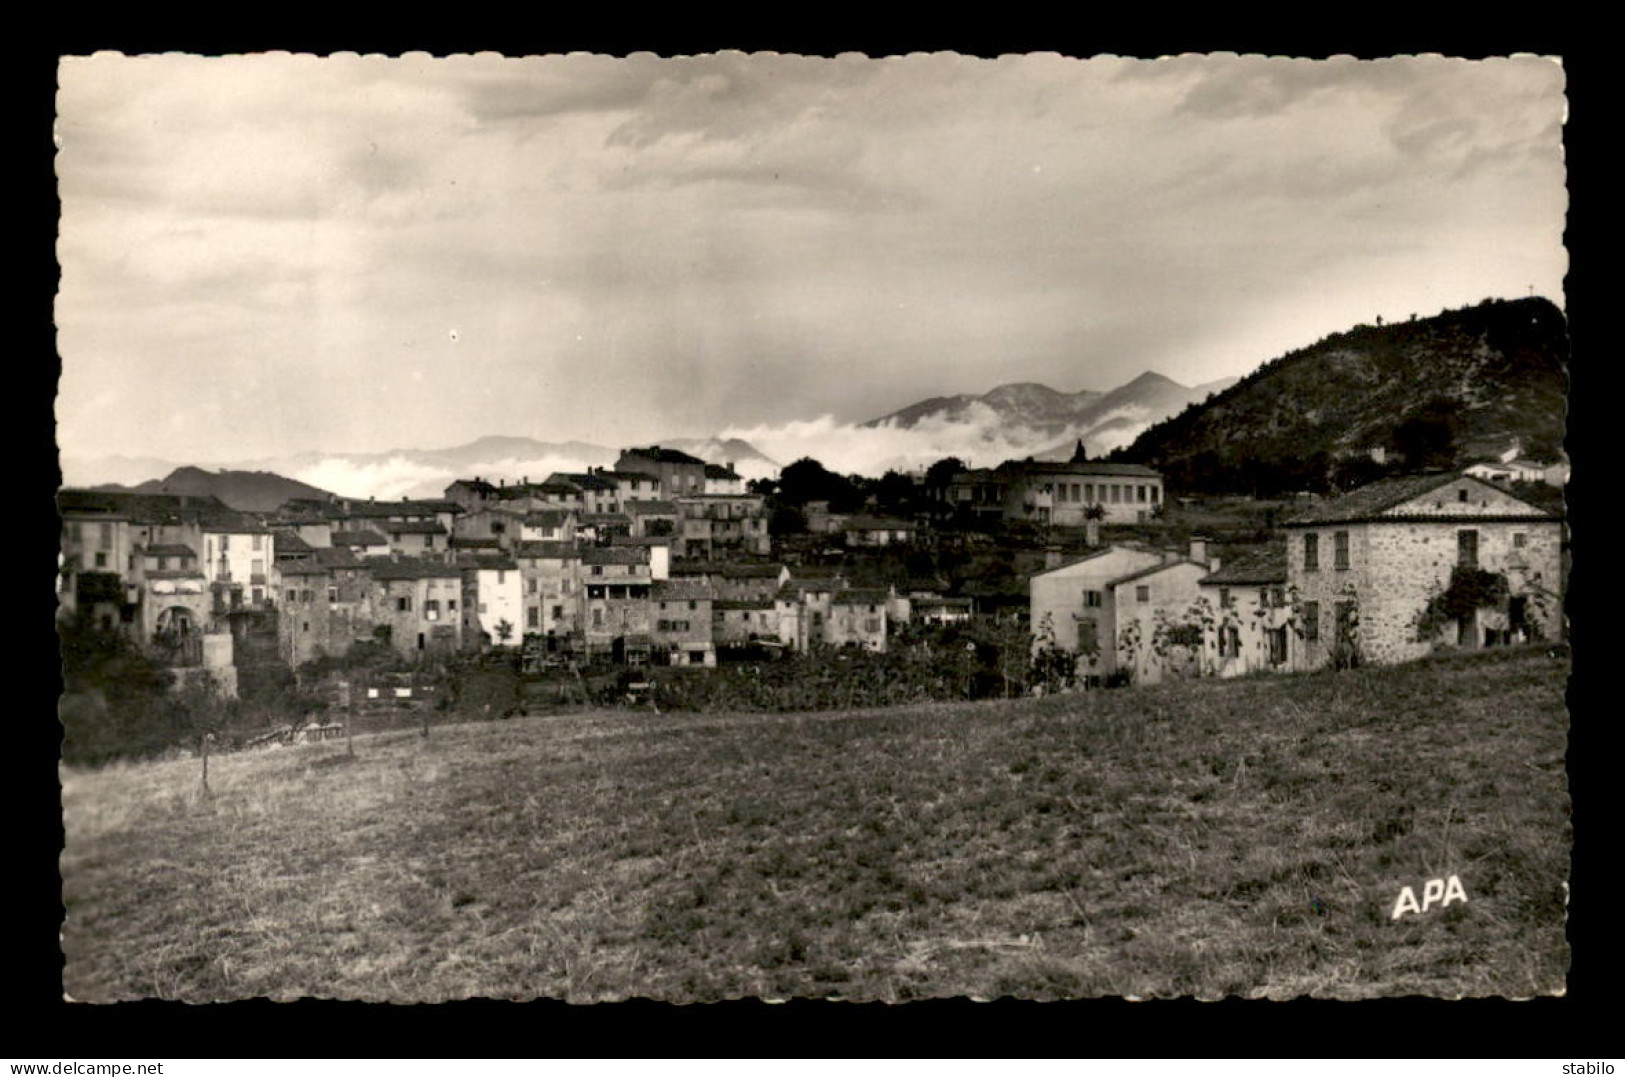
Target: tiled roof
[
  {"x": 614, "y": 555},
  {"x": 304, "y": 568},
  {"x": 1085, "y": 469},
  {"x": 640, "y": 540},
  {"x": 742, "y": 604},
  {"x": 664, "y": 456},
  {"x": 477, "y": 485},
  {"x": 336, "y": 557},
  {"x": 488, "y": 561},
  {"x": 359, "y": 538},
  {"x": 606, "y": 519},
  {"x": 1266, "y": 564},
  {"x": 174, "y": 574},
  {"x": 1372, "y": 501},
  {"x": 557, "y": 550},
  {"x": 585, "y": 480},
  {"x": 862, "y": 596},
  {"x": 441, "y": 505},
  {"x": 796, "y": 588},
  {"x": 652, "y": 508},
  {"x": 289, "y": 542},
  {"x": 548, "y": 518},
  {"x": 414, "y": 527},
  {"x": 1152, "y": 571},
  {"x": 679, "y": 590},
  {"x": 627, "y": 476},
  {"x": 736, "y": 571},
  {"x": 717, "y": 471},
  {"x": 879, "y": 523},
  {"x": 460, "y": 543},
  {"x": 169, "y": 549},
  {"x": 415, "y": 570}
]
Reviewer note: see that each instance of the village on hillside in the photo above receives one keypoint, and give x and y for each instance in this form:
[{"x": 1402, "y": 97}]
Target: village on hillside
[{"x": 667, "y": 560}]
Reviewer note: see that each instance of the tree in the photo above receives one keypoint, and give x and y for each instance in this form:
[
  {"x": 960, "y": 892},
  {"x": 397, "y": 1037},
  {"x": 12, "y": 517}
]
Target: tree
[
  {"x": 808, "y": 480},
  {"x": 941, "y": 474},
  {"x": 894, "y": 493},
  {"x": 1427, "y": 439},
  {"x": 1080, "y": 455},
  {"x": 504, "y": 631}
]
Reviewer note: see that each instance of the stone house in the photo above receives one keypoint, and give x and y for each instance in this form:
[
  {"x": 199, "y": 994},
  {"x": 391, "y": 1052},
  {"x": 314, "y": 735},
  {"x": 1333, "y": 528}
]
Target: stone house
[
  {"x": 238, "y": 558},
  {"x": 876, "y": 531},
  {"x": 493, "y": 598},
  {"x": 1107, "y": 607},
  {"x": 1158, "y": 630},
  {"x": 723, "y": 480},
  {"x": 679, "y": 473},
  {"x": 416, "y": 538},
  {"x": 615, "y": 582},
  {"x": 723, "y": 525},
  {"x": 551, "y": 587},
  {"x": 1372, "y": 574},
  {"x": 858, "y": 616},
  {"x": 737, "y": 621},
  {"x": 1249, "y": 618},
  {"x": 418, "y": 601},
  {"x": 681, "y": 630}
]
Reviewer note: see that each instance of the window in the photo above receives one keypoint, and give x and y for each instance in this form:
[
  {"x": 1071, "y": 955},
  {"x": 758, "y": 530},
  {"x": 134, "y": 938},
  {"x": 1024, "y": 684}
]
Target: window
[
  {"x": 1229, "y": 641},
  {"x": 558, "y": 613},
  {"x": 1226, "y": 599},
  {"x": 1142, "y": 593},
  {"x": 692, "y": 604},
  {"x": 1519, "y": 539},
  {"x": 403, "y": 604},
  {"x": 1311, "y": 621},
  {"x": 533, "y": 618},
  {"x": 1461, "y": 495},
  {"x": 1340, "y": 551},
  {"x": 1089, "y": 492},
  {"x": 1088, "y": 637},
  {"x": 598, "y": 618},
  {"x": 431, "y": 609},
  {"x": 598, "y": 570},
  {"x": 533, "y": 585},
  {"x": 293, "y": 596},
  {"x": 258, "y": 543},
  {"x": 308, "y": 596},
  {"x": 101, "y": 560},
  {"x": 1467, "y": 549},
  {"x": 1311, "y": 553},
  {"x": 332, "y": 594},
  {"x": 1117, "y": 493},
  {"x": 1140, "y": 494},
  {"x": 1091, "y": 599},
  {"x": 304, "y": 626},
  {"x": 872, "y": 625},
  {"x": 106, "y": 535}
]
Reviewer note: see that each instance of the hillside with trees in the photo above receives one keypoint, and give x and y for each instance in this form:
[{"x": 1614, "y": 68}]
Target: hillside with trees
[{"x": 1420, "y": 391}]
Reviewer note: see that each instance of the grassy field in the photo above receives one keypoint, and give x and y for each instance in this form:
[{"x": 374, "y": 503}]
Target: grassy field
[{"x": 1245, "y": 838}]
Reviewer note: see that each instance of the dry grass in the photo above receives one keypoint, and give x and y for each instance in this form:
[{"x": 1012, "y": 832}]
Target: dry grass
[{"x": 1243, "y": 838}]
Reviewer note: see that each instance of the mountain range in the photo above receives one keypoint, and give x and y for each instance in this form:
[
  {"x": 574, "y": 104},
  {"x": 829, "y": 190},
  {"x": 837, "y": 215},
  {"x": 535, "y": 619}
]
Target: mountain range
[
  {"x": 1496, "y": 369},
  {"x": 1056, "y": 421}
]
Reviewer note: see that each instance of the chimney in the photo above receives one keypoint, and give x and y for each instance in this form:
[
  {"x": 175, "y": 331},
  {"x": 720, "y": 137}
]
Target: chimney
[{"x": 1198, "y": 549}]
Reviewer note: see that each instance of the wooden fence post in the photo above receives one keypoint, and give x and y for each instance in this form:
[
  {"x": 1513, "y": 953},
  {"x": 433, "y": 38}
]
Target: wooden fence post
[{"x": 206, "y": 738}]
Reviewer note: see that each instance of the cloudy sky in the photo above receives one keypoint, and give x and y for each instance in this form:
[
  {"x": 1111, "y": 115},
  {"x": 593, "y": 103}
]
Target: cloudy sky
[{"x": 263, "y": 255}]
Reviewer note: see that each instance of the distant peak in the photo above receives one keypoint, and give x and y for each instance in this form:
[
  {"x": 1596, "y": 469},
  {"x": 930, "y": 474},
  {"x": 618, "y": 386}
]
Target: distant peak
[{"x": 1151, "y": 377}]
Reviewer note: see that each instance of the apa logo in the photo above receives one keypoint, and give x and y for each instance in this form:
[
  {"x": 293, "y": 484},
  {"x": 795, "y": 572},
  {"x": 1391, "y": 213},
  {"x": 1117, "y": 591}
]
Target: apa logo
[{"x": 1440, "y": 892}]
